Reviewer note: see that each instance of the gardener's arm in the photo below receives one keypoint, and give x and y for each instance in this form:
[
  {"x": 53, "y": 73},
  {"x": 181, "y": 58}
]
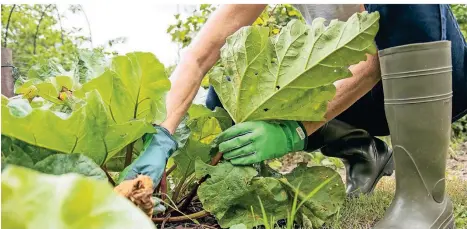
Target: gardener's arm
[
  {"x": 202, "y": 54},
  {"x": 365, "y": 76},
  {"x": 200, "y": 57}
]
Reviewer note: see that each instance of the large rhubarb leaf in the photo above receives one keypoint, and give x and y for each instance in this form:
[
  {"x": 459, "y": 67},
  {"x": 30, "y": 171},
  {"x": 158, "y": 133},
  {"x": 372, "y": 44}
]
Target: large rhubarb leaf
[
  {"x": 15, "y": 152},
  {"x": 14, "y": 155},
  {"x": 133, "y": 88},
  {"x": 327, "y": 188},
  {"x": 34, "y": 200},
  {"x": 182, "y": 132},
  {"x": 227, "y": 183},
  {"x": 116, "y": 163},
  {"x": 204, "y": 126},
  {"x": 36, "y": 154},
  {"x": 60, "y": 164},
  {"x": 45, "y": 68},
  {"x": 89, "y": 65},
  {"x": 290, "y": 76},
  {"x": 87, "y": 130},
  {"x": 232, "y": 194},
  {"x": 185, "y": 157},
  {"x": 247, "y": 209}
]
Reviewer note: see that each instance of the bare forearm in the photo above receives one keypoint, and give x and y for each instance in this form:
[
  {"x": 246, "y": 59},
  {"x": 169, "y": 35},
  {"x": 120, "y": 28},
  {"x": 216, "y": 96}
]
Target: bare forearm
[
  {"x": 365, "y": 76},
  {"x": 202, "y": 54}
]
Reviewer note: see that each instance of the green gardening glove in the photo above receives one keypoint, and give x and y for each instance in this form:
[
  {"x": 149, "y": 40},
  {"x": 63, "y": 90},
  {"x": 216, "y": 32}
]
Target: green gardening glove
[{"x": 256, "y": 141}]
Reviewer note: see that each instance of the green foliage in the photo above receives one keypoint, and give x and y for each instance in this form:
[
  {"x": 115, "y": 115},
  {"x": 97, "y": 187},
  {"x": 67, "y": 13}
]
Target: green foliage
[
  {"x": 276, "y": 17},
  {"x": 288, "y": 72},
  {"x": 35, "y": 34},
  {"x": 201, "y": 128},
  {"x": 15, "y": 152},
  {"x": 33, "y": 200},
  {"x": 460, "y": 12},
  {"x": 321, "y": 193},
  {"x": 88, "y": 130},
  {"x": 459, "y": 129},
  {"x": 185, "y": 29},
  {"x": 133, "y": 88},
  {"x": 59, "y": 164},
  {"x": 114, "y": 110},
  {"x": 240, "y": 185},
  {"x": 36, "y": 154}
]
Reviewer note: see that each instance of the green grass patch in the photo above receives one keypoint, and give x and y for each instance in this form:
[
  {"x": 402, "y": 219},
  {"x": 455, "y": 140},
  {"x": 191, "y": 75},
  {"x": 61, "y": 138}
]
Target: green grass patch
[{"x": 363, "y": 212}]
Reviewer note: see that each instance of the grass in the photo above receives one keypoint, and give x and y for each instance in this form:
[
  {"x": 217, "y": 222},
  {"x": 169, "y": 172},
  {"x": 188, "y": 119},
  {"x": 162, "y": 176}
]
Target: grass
[{"x": 364, "y": 211}]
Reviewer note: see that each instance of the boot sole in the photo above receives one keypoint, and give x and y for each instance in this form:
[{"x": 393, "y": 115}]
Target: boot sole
[{"x": 450, "y": 224}]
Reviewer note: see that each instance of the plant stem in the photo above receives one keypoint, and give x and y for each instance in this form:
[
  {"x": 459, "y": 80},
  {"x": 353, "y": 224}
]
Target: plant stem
[
  {"x": 196, "y": 215},
  {"x": 89, "y": 24},
  {"x": 61, "y": 27},
  {"x": 38, "y": 25},
  {"x": 178, "y": 188},
  {"x": 171, "y": 169},
  {"x": 164, "y": 186},
  {"x": 129, "y": 154},
  {"x": 111, "y": 181},
  {"x": 193, "y": 192},
  {"x": 8, "y": 24}
]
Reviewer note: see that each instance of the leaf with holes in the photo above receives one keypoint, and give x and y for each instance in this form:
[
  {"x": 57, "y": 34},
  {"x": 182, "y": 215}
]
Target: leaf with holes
[
  {"x": 290, "y": 76},
  {"x": 52, "y": 89}
]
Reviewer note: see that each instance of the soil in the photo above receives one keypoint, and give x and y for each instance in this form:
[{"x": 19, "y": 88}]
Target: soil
[{"x": 204, "y": 222}]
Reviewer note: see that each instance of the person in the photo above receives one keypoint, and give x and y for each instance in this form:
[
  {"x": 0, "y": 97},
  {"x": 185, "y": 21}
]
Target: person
[{"x": 414, "y": 41}]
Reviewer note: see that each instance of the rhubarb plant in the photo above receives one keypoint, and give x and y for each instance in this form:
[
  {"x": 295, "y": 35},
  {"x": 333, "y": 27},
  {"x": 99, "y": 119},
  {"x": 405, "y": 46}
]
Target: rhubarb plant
[
  {"x": 289, "y": 76},
  {"x": 34, "y": 200},
  {"x": 62, "y": 125},
  {"x": 108, "y": 113}
]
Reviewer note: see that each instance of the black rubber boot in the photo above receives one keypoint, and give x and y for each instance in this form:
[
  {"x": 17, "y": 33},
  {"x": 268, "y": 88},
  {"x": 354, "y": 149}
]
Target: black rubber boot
[
  {"x": 417, "y": 83},
  {"x": 366, "y": 158}
]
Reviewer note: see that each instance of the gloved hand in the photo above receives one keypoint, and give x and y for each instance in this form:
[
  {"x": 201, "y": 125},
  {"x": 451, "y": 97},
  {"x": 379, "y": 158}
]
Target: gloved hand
[
  {"x": 158, "y": 148},
  {"x": 256, "y": 141}
]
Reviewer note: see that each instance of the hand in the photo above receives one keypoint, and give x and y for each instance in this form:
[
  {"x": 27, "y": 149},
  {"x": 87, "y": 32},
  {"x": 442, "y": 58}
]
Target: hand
[
  {"x": 158, "y": 148},
  {"x": 256, "y": 141}
]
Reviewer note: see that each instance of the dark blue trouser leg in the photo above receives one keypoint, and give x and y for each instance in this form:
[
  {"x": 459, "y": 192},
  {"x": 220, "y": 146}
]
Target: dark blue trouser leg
[{"x": 212, "y": 100}]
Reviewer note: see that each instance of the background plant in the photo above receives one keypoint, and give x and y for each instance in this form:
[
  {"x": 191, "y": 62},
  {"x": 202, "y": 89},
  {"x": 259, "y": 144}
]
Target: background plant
[
  {"x": 61, "y": 88},
  {"x": 37, "y": 37}
]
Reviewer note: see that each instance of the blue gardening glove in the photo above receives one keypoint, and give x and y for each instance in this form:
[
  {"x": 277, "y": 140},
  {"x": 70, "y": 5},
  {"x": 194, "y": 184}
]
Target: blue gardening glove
[{"x": 157, "y": 149}]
